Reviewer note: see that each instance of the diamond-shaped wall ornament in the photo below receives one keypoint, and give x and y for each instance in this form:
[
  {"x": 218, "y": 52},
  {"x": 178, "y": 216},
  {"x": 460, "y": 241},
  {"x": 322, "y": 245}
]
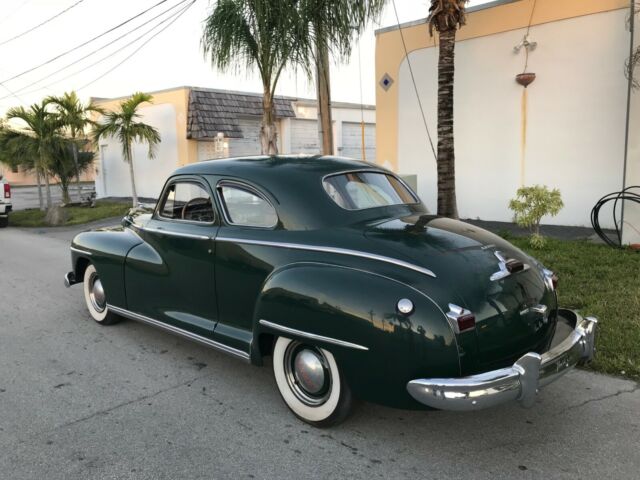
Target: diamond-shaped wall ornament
[{"x": 386, "y": 82}]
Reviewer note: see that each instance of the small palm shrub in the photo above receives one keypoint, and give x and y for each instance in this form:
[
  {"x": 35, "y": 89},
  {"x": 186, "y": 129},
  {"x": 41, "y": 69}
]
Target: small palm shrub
[{"x": 531, "y": 205}]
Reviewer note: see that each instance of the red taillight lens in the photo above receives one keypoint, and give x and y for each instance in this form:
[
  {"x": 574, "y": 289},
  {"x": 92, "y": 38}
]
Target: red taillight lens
[
  {"x": 460, "y": 319},
  {"x": 554, "y": 281},
  {"x": 466, "y": 322},
  {"x": 7, "y": 190}
]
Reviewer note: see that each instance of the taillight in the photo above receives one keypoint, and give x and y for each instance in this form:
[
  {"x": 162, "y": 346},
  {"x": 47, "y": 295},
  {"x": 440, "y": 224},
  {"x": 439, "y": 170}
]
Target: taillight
[
  {"x": 461, "y": 320},
  {"x": 7, "y": 190}
]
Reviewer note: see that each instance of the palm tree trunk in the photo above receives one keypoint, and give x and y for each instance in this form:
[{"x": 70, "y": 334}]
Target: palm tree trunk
[
  {"x": 64, "y": 186},
  {"x": 447, "y": 205},
  {"x": 75, "y": 161},
  {"x": 48, "y": 190},
  {"x": 268, "y": 132},
  {"x": 40, "y": 198},
  {"x": 323, "y": 87},
  {"x": 134, "y": 194}
]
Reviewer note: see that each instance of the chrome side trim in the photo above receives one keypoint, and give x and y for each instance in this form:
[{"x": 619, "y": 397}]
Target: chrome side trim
[
  {"x": 179, "y": 331},
  {"x": 337, "y": 251},
  {"x": 83, "y": 252},
  {"x": 171, "y": 233},
  {"x": 312, "y": 336}
]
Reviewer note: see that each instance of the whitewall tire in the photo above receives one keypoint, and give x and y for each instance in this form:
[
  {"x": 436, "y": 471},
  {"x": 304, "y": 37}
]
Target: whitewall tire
[
  {"x": 311, "y": 383},
  {"x": 96, "y": 299}
]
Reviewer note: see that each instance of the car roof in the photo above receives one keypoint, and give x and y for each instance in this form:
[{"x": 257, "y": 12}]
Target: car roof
[
  {"x": 257, "y": 167},
  {"x": 294, "y": 183}
]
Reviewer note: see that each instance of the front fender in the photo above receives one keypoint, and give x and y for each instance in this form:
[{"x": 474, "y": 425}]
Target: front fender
[
  {"x": 106, "y": 250},
  {"x": 359, "y": 307}
]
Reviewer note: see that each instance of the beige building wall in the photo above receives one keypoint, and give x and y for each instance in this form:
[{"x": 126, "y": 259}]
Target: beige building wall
[
  {"x": 631, "y": 225},
  {"x": 575, "y": 111}
]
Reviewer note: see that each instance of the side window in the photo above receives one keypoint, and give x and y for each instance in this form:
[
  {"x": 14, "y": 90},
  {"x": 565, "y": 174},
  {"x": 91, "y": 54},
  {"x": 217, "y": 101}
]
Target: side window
[
  {"x": 186, "y": 201},
  {"x": 243, "y": 207}
]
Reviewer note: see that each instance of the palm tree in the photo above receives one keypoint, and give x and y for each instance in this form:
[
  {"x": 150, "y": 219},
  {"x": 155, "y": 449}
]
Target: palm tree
[
  {"x": 332, "y": 25},
  {"x": 446, "y": 16},
  {"x": 76, "y": 117},
  {"x": 40, "y": 140},
  {"x": 265, "y": 34},
  {"x": 123, "y": 124}
]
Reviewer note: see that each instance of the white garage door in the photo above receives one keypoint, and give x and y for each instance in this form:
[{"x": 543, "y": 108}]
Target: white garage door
[
  {"x": 250, "y": 144},
  {"x": 304, "y": 137},
  {"x": 352, "y": 141}
]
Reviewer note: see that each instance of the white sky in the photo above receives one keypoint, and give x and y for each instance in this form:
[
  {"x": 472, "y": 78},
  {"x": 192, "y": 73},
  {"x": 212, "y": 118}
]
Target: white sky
[{"x": 171, "y": 59}]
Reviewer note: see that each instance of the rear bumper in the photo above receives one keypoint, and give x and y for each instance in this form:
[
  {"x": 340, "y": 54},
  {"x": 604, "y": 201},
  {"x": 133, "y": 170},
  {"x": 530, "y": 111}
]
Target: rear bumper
[{"x": 519, "y": 382}]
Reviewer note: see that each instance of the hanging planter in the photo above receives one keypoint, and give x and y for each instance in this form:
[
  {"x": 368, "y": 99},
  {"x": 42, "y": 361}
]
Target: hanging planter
[{"x": 525, "y": 79}]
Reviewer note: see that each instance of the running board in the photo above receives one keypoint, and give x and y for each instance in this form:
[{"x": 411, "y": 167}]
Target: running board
[{"x": 180, "y": 332}]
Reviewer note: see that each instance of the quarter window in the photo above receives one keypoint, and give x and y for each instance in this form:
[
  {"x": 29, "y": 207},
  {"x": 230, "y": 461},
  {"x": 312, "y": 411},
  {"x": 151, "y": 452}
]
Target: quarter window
[
  {"x": 187, "y": 201},
  {"x": 246, "y": 208},
  {"x": 361, "y": 190}
]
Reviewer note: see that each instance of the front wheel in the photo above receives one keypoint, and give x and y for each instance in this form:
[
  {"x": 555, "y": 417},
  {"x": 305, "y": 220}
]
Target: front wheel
[
  {"x": 96, "y": 298},
  {"x": 310, "y": 383}
]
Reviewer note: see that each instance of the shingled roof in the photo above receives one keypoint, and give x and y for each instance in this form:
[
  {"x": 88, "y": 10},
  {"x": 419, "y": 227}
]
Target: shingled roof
[{"x": 213, "y": 111}]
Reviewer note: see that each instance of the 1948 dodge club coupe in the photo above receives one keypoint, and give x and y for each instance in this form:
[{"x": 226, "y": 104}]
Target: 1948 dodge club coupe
[{"x": 336, "y": 270}]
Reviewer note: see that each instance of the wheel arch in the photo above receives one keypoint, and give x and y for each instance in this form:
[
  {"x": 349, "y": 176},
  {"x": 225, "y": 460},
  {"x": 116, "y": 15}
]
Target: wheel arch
[{"x": 352, "y": 313}]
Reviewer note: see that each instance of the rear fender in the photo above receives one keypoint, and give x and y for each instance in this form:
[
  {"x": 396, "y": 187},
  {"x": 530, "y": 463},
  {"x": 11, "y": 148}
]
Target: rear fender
[
  {"x": 352, "y": 313},
  {"x": 106, "y": 250}
]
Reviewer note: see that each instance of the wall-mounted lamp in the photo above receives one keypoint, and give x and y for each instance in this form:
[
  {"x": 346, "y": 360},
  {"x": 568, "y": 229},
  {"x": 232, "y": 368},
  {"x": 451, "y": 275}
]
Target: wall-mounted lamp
[{"x": 526, "y": 44}]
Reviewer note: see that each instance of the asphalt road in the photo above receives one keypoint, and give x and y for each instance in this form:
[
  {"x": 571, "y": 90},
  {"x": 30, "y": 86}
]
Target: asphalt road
[{"x": 81, "y": 401}]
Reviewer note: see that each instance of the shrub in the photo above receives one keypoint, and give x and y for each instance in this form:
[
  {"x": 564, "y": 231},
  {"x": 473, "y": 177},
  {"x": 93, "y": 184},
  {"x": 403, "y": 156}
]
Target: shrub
[{"x": 533, "y": 203}]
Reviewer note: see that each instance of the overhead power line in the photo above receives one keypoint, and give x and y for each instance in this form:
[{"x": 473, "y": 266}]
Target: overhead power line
[
  {"x": 413, "y": 79},
  {"x": 99, "y": 49},
  {"x": 40, "y": 24},
  {"x": 51, "y": 60},
  {"x": 104, "y": 74}
]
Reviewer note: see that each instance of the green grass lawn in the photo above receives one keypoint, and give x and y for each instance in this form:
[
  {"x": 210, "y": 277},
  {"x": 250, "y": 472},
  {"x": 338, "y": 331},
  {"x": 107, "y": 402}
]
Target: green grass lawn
[
  {"x": 77, "y": 215},
  {"x": 604, "y": 282}
]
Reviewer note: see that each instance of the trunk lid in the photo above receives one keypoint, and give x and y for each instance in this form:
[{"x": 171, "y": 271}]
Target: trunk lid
[{"x": 509, "y": 321}]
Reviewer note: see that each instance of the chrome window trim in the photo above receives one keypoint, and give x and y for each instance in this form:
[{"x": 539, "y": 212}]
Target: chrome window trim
[
  {"x": 247, "y": 188},
  {"x": 179, "y": 331},
  {"x": 158, "y": 216},
  {"x": 415, "y": 196},
  {"x": 171, "y": 233},
  {"x": 312, "y": 336},
  {"x": 338, "y": 251},
  {"x": 84, "y": 252}
]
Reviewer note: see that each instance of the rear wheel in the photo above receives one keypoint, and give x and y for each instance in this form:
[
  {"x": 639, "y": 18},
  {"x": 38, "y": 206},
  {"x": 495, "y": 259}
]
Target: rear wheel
[
  {"x": 4, "y": 222},
  {"x": 310, "y": 383},
  {"x": 96, "y": 298}
]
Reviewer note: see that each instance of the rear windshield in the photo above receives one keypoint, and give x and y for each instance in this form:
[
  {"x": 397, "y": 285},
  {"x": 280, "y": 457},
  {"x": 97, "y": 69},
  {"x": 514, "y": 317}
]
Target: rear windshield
[{"x": 361, "y": 190}]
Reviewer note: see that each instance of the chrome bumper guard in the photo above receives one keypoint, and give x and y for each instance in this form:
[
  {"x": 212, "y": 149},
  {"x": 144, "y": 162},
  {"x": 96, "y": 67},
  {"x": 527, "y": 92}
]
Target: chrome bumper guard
[
  {"x": 70, "y": 279},
  {"x": 519, "y": 382}
]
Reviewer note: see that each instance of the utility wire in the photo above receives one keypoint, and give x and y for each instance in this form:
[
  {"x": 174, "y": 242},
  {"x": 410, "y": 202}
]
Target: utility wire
[
  {"x": 40, "y": 24},
  {"x": 85, "y": 43},
  {"x": 413, "y": 79},
  {"x": 97, "y": 50},
  {"x": 104, "y": 74}
]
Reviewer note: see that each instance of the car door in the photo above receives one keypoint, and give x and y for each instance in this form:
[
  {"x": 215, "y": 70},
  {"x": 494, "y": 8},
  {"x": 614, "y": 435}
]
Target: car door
[
  {"x": 171, "y": 276},
  {"x": 247, "y": 213}
]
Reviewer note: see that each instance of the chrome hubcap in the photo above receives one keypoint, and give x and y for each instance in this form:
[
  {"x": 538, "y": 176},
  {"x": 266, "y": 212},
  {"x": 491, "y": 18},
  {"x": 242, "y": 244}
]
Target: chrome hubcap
[
  {"x": 308, "y": 373},
  {"x": 96, "y": 293}
]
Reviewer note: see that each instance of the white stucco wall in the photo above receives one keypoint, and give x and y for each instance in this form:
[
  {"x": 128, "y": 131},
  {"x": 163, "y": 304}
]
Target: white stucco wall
[
  {"x": 576, "y": 112},
  {"x": 113, "y": 180},
  {"x": 631, "y": 226}
]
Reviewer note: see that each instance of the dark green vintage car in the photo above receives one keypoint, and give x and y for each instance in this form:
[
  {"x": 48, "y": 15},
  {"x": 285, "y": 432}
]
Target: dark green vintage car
[{"x": 336, "y": 270}]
